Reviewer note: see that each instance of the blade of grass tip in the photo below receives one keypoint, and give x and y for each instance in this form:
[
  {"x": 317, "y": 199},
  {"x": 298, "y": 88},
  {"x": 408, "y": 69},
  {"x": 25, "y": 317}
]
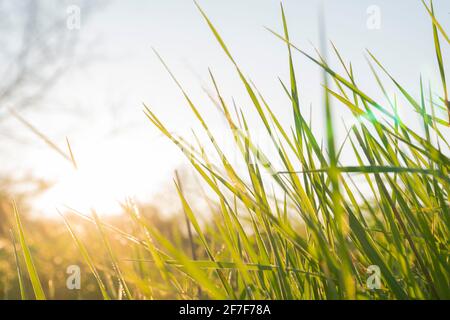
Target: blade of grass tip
[
  {"x": 440, "y": 60},
  {"x": 435, "y": 22},
  {"x": 39, "y": 134},
  {"x": 294, "y": 88},
  {"x": 247, "y": 85},
  {"x": 32, "y": 272},
  {"x": 216, "y": 34},
  {"x": 337, "y": 77},
  {"x": 72, "y": 157},
  {"x": 23, "y": 294}
]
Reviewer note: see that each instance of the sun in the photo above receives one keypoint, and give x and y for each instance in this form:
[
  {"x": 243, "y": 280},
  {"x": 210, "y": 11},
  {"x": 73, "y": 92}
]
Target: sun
[
  {"x": 92, "y": 187},
  {"x": 105, "y": 177},
  {"x": 108, "y": 173}
]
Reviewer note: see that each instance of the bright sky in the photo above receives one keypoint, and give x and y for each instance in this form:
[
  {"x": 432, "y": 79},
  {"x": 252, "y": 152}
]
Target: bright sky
[{"x": 120, "y": 154}]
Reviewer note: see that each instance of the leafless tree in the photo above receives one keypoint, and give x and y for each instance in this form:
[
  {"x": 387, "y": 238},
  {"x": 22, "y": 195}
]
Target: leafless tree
[{"x": 36, "y": 48}]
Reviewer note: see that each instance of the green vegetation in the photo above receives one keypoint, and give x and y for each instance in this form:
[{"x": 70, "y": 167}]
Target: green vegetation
[{"x": 308, "y": 230}]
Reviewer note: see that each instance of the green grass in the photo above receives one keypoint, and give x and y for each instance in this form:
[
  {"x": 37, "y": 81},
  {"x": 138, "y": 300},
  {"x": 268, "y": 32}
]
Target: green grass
[
  {"x": 311, "y": 228},
  {"x": 32, "y": 272},
  {"x": 402, "y": 225}
]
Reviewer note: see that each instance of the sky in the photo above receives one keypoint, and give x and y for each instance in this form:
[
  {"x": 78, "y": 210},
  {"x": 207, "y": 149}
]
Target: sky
[{"x": 119, "y": 152}]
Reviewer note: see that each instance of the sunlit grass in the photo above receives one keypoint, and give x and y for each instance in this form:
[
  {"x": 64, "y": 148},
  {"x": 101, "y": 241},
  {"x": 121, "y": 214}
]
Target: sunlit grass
[
  {"x": 307, "y": 230},
  {"x": 401, "y": 226}
]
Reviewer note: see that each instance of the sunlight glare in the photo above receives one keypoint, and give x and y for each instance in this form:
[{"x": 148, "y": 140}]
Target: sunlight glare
[{"x": 103, "y": 181}]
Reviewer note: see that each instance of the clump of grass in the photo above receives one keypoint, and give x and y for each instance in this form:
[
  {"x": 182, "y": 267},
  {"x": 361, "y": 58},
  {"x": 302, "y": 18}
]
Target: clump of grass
[
  {"x": 401, "y": 225},
  {"x": 308, "y": 230}
]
